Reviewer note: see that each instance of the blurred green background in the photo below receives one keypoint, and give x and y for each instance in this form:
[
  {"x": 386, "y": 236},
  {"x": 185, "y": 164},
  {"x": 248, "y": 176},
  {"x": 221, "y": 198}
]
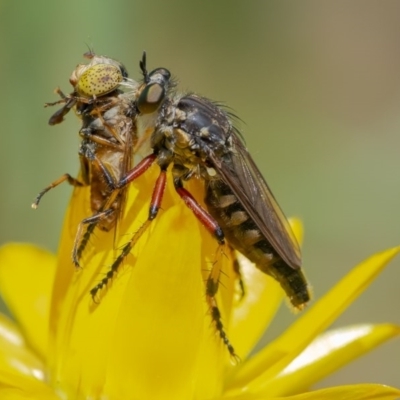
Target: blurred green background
[{"x": 317, "y": 84}]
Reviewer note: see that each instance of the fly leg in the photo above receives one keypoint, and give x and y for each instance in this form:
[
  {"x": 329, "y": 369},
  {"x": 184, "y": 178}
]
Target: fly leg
[
  {"x": 86, "y": 133},
  {"x": 155, "y": 204},
  {"x": 66, "y": 177},
  {"x": 82, "y": 239},
  {"x": 59, "y": 115},
  {"x": 69, "y": 101},
  {"x": 238, "y": 272},
  {"x": 213, "y": 280},
  {"x": 98, "y": 112}
]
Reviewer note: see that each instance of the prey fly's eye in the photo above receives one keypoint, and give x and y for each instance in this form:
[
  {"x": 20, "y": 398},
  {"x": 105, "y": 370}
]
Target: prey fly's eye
[{"x": 99, "y": 80}]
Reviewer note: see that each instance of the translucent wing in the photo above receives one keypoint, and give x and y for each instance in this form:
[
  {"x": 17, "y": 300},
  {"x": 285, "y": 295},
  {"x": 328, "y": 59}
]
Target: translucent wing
[{"x": 242, "y": 175}]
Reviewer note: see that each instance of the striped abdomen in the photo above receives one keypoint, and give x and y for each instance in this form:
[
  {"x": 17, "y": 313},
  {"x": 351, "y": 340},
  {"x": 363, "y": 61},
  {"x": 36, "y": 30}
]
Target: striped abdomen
[{"x": 243, "y": 235}]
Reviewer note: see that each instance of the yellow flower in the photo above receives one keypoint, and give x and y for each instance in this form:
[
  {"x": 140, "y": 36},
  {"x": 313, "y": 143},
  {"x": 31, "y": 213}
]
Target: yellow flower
[{"x": 149, "y": 334}]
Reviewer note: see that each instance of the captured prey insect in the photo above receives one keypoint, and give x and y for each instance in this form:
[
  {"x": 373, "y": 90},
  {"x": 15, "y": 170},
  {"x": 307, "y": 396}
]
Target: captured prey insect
[
  {"x": 197, "y": 137},
  {"x": 108, "y": 135}
]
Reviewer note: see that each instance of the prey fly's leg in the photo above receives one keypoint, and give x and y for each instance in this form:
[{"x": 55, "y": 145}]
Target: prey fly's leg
[
  {"x": 66, "y": 177},
  {"x": 86, "y": 133},
  {"x": 213, "y": 279},
  {"x": 155, "y": 204},
  {"x": 59, "y": 115},
  {"x": 98, "y": 112},
  {"x": 82, "y": 237}
]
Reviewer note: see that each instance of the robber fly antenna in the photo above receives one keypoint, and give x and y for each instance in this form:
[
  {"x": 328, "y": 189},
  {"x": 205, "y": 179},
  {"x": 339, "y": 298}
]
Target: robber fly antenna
[{"x": 143, "y": 67}]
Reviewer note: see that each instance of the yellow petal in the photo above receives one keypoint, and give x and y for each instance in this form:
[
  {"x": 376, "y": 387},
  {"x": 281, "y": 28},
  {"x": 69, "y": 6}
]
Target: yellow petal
[
  {"x": 26, "y": 278},
  {"x": 263, "y": 295},
  {"x": 17, "y": 361},
  {"x": 349, "y": 392},
  {"x": 253, "y": 313},
  {"x": 270, "y": 361},
  {"x": 170, "y": 338},
  {"x": 151, "y": 330},
  {"x": 329, "y": 352},
  {"x": 28, "y": 391}
]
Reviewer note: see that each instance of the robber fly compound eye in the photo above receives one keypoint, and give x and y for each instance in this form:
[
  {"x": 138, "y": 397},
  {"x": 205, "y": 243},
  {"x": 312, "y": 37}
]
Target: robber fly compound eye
[{"x": 154, "y": 91}]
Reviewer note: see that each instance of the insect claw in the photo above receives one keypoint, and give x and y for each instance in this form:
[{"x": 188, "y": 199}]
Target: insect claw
[{"x": 234, "y": 358}]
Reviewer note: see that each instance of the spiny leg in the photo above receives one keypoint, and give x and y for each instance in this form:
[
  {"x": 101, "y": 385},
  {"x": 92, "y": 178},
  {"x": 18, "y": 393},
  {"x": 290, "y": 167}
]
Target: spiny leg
[
  {"x": 212, "y": 283},
  {"x": 66, "y": 177},
  {"x": 117, "y": 263},
  {"x": 155, "y": 204},
  {"x": 114, "y": 189},
  {"x": 82, "y": 239},
  {"x": 106, "y": 209}
]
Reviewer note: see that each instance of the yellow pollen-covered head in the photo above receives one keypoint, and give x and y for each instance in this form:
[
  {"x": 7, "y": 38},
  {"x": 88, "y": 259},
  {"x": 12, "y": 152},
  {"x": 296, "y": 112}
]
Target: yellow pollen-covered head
[{"x": 99, "y": 80}]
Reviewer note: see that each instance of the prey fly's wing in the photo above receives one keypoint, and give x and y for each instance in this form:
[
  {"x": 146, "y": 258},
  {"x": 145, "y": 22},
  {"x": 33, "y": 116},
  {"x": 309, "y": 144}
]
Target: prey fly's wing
[{"x": 239, "y": 171}]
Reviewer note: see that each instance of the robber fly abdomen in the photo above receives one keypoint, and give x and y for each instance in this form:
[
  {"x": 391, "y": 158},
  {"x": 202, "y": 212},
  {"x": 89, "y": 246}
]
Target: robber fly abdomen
[{"x": 243, "y": 234}]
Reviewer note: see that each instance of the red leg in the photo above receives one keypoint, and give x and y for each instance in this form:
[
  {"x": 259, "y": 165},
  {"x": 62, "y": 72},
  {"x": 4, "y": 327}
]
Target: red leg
[
  {"x": 212, "y": 283},
  {"x": 82, "y": 239},
  {"x": 137, "y": 171},
  {"x": 155, "y": 205},
  {"x": 202, "y": 215}
]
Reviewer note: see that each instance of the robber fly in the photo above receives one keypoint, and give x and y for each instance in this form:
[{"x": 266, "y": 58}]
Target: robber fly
[
  {"x": 108, "y": 135},
  {"x": 197, "y": 137}
]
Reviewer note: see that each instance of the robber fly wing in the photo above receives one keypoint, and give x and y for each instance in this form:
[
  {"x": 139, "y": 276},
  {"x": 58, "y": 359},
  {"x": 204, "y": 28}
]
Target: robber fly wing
[{"x": 246, "y": 181}]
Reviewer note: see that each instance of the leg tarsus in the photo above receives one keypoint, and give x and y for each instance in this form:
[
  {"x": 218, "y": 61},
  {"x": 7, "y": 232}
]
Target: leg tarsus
[
  {"x": 118, "y": 261},
  {"x": 82, "y": 239},
  {"x": 66, "y": 177},
  {"x": 217, "y": 320},
  {"x": 212, "y": 285}
]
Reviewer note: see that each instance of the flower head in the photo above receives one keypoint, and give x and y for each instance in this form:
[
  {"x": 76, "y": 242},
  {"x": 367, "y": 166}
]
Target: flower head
[{"x": 149, "y": 335}]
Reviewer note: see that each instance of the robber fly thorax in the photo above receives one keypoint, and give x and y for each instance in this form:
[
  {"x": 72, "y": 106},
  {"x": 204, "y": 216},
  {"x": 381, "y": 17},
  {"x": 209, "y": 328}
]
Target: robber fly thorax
[{"x": 108, "y": 135}]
